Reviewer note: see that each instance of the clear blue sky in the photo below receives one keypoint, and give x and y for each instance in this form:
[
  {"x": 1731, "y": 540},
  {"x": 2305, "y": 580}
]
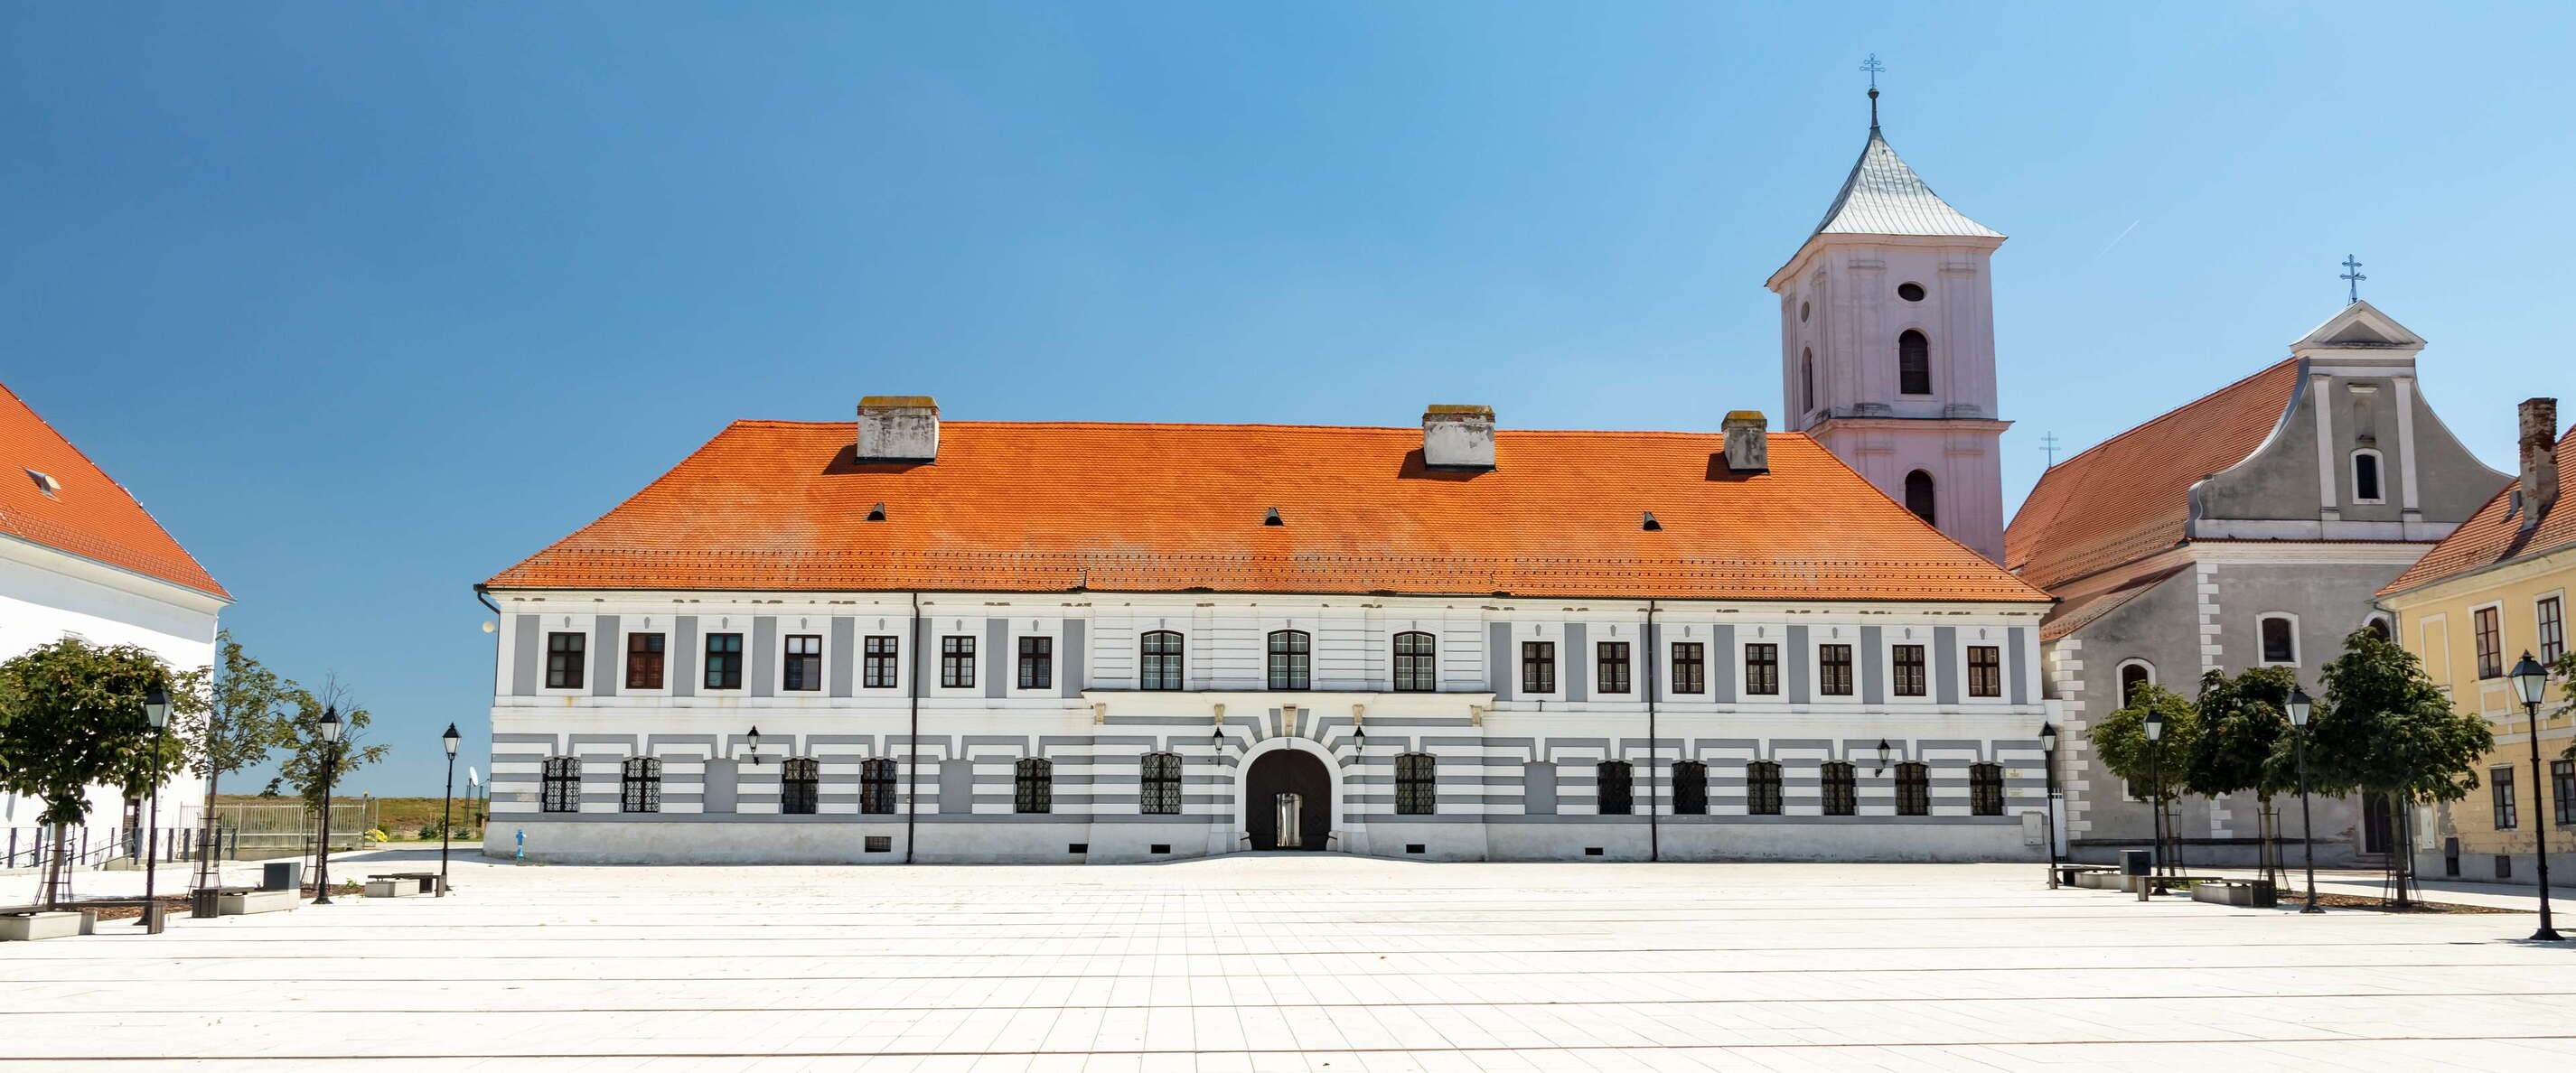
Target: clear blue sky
[{"x": 368, "y": 301}]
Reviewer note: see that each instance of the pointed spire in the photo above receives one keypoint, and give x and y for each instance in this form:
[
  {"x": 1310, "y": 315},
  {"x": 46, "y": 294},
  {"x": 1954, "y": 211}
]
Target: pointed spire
[{"x": 1883, "y": 196}]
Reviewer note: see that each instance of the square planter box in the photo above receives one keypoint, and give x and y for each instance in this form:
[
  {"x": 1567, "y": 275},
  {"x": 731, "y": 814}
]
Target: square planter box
[
  {"x": 2255, "y": 895},
  {"x": 256, "y": 901},
  {"x": 24, "y": 926}
]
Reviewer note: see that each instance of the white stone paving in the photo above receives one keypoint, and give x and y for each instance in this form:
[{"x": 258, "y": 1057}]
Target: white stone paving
[{"x": 1290, "y": 962}]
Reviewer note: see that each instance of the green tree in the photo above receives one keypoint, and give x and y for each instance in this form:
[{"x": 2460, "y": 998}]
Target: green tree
[
  {"x": 2244, "y": 721},
  {"x": 2159, "y": 770},
  {"x": 308, "y": 756},
  {"x": 244, "y": 711},
  {"x": 2383, "y": 727},
  {"x": 71, "y": 717}
]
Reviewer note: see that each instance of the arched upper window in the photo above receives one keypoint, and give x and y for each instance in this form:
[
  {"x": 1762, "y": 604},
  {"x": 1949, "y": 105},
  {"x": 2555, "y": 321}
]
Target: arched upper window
[
  {"x": 2280, "y": 639},
  {"x": 1807, "y": 378},
  {"x": 2135, "y": 673},
  {"x": 800, "y": 786},
  {"x": 1616, "y": 788},
  {"x": 1159, "y": 660},
  {"x": 1160, "y": 794},
  {"x": 1762, "y": 788},
  {"x": 2378, "y": 627},
  {"x": 561, "y": 791},
  {"x": 1913, "y": 789},
  {"x": 1919, "y": 497},
  {"x": 1913, "y": 363},
  {"x": 1291, "y": 660},
  {"x": 1690, "y": 788},
  {"x": 641, "y": 790},
  {"x": 2365, "y": 477},
  {"x": 1416, "y": 790},
  {"x": 876, "y": 786},
  {"x": 1417, "y": 662},
  {"x": 1033, "y": 786}
]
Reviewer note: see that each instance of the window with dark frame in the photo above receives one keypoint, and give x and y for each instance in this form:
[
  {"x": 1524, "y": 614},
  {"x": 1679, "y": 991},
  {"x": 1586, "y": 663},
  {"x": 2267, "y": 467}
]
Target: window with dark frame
[
  {"x": 957, "y": 662},
  {"x": 563, "y": 660},
  {"x": 1690, "y": 788},
  {"x": 2507, "y": 816},
  {"x": 1616, "y": 788},
  {"x": 1417, "y": 662},
  {"x": 877, "y": 665},
  {"x": 1291, "y": 660},
  {"x": 2280, "y": 642},
  {"x": 643, "y": 661},
  {"x": 1538, "y": 666},
  {"x": 1909, "y": 680},
  {"x": 1921, "y": 499},
  {"x": 1762, "y": 788},
  {"x": 800, "y": 786},
  {"x": 803, "y": 671},
  {"x": 1834, "y": 670},
  {"x": 2365, "y": 475},
  {"x": 640, "y": 788},
  {"x": 1033, "y": 786},
  {"x": 1807, "y": 377},
  {"x": 724, "y": 661},
  {"x": 1842, "y": 789},
  {"x": 1913, "y": 363},
  {"x": 2483, "y": 623},
  {"x": 1160, "y": 791},
  {"x": 1690, "y": 667},
  {"x": 1986, "y": 789},
  {"x": 876, "y": 786},
  {"x": 1913, "y": 789},
  {"x": 561, "y": 791},
  {"x": 1037, "y": 663},
  {"x": 1159, "y": 664},
  {"x": 2133, "y": 676},
  {"x": 1985, "y": 671},
  {"x": 1613, "y": 659},
  {"x": 2550, "y": 617},
  {"x": 1416, "y": 788},
  {"x": 2562, "y": 791},
  {"x": 1762, "y": 669}
]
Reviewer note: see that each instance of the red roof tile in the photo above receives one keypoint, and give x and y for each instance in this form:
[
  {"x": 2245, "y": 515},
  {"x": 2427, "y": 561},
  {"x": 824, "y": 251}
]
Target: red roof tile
[
  {"x": 2130, "y": 495},
  {"x": 89, "y": 516},
  {"x": 1160, "y": 508},
  {"x": 2494, "y": 534}
]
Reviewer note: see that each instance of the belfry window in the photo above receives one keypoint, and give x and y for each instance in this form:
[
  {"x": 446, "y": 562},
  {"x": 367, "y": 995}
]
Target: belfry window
[
  {"x": 1919, "y": 497},
  {"x": 2365, "y": 477},
  {"x": 1913, "y": 363},
  {"x": 1807, "y": 378}
]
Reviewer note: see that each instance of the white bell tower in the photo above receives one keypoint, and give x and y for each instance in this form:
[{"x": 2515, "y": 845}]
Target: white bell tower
[{"x": 1887, "y": 345}]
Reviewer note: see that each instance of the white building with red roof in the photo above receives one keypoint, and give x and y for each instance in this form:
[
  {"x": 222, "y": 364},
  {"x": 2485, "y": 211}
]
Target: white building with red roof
[{"x": 80, "y": 556}]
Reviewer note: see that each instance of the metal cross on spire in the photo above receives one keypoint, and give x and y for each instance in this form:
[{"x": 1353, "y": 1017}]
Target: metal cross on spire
[
  {"x": 2352, "y": 278},
  {"x": 1872, "y": 66}
]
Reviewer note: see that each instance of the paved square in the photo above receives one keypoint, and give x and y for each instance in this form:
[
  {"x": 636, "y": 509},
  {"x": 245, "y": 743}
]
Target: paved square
[{"x": 1293, "y": 962}]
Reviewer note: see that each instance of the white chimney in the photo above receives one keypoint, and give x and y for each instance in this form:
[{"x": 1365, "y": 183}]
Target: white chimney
[
  {"x": 898, "y": 428},
  {"x": 1748, "y": 442},
  {"x": 1458, "y": 437},
  {"x": 2539, "y": 459}
]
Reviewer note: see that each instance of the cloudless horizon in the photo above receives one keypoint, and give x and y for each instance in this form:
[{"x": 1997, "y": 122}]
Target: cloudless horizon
[{"x": 366, "y": 303}]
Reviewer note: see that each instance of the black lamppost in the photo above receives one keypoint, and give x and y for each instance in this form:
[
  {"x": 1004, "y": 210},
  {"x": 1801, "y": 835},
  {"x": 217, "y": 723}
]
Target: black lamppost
[
  {"x": 330, "y": 766},
  {"x": 156, "y": 707},
  {"x": 2156, "y": 781},
  {"x": 2048, "y": 748},
  {"x": 446, "y": 803},
  {"x": 2300, "y": 708},
  {"x": 755, "y": 746},
  {"x": 2529, "y": 679}
]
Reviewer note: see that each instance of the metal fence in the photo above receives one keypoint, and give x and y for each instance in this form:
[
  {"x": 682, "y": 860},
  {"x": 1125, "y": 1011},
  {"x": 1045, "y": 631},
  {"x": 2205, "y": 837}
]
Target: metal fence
[{"x": 261, "y": 829}]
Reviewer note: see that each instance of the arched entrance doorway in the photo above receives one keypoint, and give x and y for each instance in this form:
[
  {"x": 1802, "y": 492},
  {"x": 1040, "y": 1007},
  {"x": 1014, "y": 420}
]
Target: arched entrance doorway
[{"x": 1288, "y": 771}]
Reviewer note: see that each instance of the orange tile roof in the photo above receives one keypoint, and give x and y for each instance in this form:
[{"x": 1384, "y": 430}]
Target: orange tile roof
[
  {"x": 1045, "y": 507},
  {"x": 90, "y": 516},
  {"x": 2494, "y": 534},
  {"x": 2130, "y": 495}
]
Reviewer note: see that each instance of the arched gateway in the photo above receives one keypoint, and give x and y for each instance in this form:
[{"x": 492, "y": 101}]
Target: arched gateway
[{"x": 1276, "y": 775}]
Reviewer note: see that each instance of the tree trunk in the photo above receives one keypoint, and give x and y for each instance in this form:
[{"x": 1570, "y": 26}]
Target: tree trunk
[{"x": 54, "y": 868}]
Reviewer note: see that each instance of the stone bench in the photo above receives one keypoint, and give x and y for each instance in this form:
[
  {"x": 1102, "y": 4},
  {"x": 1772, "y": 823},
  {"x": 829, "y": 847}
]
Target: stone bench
[
  {"x": 19, "y": 927},
  {"x": 418, "y": 882},
  {"x": 232, "y": 903},
  {"x": 389, "y": 887},
  {"x": 2242, "y": 893}
]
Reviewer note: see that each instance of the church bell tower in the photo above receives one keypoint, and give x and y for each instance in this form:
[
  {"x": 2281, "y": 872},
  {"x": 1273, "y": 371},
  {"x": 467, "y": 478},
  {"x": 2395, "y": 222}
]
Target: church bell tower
[{"x": 1887, "y": 345}]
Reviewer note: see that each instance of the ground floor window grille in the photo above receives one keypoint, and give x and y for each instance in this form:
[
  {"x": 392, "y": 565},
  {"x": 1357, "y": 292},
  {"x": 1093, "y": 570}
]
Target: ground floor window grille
[
  {"x": 1762, "y": 788},
  {"x": 1690, "y": 788},
  {"x": 876, "y": 786},
  {"x": 1162, "y": 784},
  {"x": 641, "y": 788},
  {"x": 562, "y": 787},
  {"x": 1416, "y": 794},
  {"x": 1618, "y": 796},
  {"x": 1842, "y": 792},
  {"x": 1986, "y": 789},
  {"x": 801, "y": 788},
  {"x": 1033, "y": 786},
  {"x": 1913, "y": 790}
]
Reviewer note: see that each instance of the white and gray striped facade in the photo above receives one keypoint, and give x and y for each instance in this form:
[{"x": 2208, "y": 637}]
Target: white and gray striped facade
[{"x": 1515, "y": 771}]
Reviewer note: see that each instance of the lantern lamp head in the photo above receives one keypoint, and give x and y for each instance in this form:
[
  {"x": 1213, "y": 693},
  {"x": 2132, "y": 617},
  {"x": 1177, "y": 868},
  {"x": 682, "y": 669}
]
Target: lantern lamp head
[
  {"x": 449, "y": 740},
  {"x": 2155, "y": 725},
  {"x": 2300, "y": 706},
  {"x": 156, "y": 705},
  {"x": 2530, "y": 679},
  {"x": 754, "y": 737},
  {"x": 2048, "y": 736},
  {"x": 331, "y": 723}
]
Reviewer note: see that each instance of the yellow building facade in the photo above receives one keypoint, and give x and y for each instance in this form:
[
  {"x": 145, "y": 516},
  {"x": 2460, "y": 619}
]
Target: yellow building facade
[{"x": 2499, "y": 588}]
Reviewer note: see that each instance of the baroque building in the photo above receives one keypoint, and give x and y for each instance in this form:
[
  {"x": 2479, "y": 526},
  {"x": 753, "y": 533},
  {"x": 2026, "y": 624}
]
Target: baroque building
[{"x": 910, "y": 639}]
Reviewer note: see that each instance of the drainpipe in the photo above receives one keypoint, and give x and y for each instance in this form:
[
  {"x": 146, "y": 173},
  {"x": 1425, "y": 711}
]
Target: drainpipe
[
  {"x": 912, "y": 754},
  {"x": 1654, "y": 747}
]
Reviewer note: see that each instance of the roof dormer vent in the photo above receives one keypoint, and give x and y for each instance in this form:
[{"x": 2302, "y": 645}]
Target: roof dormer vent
[
  {"x": 1649, "y": 524},
  {"x": 876, "y": 513},
  {"x": 1271, "y": 517},
  {"x": 45, "y": 482}
]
